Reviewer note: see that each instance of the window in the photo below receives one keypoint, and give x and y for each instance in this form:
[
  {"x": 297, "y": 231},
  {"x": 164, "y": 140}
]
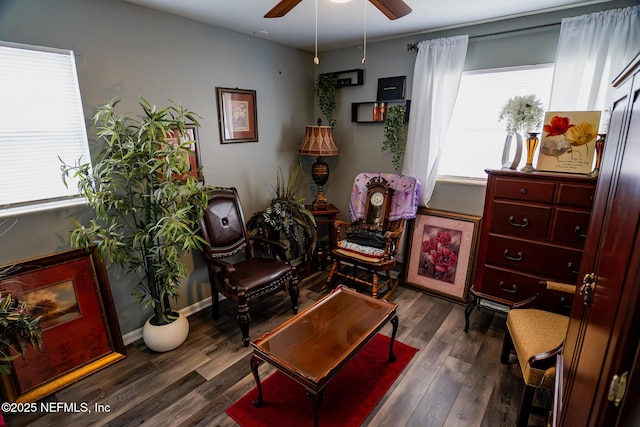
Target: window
[
  {"x": 41, "y": 122},
  {"x": 475, "y": 138}
]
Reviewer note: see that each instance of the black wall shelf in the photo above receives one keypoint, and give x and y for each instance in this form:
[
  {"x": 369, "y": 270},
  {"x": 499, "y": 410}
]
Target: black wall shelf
[
  {"x": 362, "y": 112},
  {"x": 348, "y": 78}
]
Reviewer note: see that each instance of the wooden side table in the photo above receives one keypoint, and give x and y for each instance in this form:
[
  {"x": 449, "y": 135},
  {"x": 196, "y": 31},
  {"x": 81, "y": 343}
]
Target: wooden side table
[{"x": 324, "y": 217}]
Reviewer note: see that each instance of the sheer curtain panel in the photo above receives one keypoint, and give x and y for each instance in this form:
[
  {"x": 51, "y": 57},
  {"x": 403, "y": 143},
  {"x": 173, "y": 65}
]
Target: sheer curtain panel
[
  {"x": 592, "y": 50},
  {"x": 436, "y": 78}
]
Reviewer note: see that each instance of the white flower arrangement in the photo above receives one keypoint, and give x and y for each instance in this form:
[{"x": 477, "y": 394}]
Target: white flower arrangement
[{"x": 522, "y": 113}]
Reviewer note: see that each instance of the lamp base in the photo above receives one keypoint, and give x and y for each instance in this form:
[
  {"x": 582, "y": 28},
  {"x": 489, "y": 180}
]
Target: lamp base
[{"x": 320, "y": 175}]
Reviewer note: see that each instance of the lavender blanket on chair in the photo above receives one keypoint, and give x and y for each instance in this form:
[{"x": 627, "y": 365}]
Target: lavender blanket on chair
[{"x": 404, "y": 203}]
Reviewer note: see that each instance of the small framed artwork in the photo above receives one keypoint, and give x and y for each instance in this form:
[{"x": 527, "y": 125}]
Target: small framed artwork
[
  {"x": 568, "y": 141},
  {"x": 237, "y": 115},
  {"x": 70, "y": 293},
  {"x": 190, "y": 136},
  {"x": 442, "y": 253}
]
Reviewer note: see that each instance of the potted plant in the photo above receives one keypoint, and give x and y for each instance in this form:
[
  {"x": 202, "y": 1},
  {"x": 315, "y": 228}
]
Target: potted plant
[
  {"x": 147, "y": 204},
  {"x": 286, "y": 219},
  {"x": 394, "y": 134},
  {"x": 326, "y": 89}
]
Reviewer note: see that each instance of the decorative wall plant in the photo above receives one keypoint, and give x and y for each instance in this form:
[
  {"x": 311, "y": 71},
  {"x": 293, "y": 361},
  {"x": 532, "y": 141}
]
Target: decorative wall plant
[
  {"x": 394, "y": 134},
  {"x": 326, "y": 90}
]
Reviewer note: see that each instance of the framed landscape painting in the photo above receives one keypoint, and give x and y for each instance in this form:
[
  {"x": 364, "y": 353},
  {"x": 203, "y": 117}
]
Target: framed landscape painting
[
  {"x": 70, "y": 293},
  {"x": 568, "y": 141},
  {"x": 442, "y": 252}
]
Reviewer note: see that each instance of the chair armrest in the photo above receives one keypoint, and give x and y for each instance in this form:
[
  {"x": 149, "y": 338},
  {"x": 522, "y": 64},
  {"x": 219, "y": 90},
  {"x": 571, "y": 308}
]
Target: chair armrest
[
  {"x": 229, "y": 268},
  {"x": 543, "y": 286},
  {"x": 280, "y": 248},
  {"x": 561, "y": 287},
  {"x": 340, "y": 228},
  {"x": 545, "y": 359}
]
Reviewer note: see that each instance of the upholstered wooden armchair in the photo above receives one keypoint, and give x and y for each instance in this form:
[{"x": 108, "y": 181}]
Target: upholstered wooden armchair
[
  {"x": 252, "y": 277},
  {"x": 537, "y": 336},
  {"x": 379, "y": 207}
]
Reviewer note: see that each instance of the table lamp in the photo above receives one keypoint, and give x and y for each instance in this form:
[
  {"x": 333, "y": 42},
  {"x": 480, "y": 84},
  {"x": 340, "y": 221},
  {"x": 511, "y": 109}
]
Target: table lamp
[{"x": 318, "y": 141}]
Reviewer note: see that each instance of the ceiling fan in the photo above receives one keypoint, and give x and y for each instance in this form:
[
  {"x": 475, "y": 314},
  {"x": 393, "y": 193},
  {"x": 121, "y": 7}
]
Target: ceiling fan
[{"x": 393, "y": 9}]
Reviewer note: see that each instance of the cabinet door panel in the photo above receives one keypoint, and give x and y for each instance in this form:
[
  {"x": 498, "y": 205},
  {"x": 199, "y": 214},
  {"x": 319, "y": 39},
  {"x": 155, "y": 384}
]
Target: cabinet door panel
[{"x": 520, "y": 220}]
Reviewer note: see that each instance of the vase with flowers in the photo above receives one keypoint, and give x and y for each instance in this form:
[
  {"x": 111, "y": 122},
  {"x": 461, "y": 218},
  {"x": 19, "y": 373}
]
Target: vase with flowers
[{"x": 521, "y": 114}]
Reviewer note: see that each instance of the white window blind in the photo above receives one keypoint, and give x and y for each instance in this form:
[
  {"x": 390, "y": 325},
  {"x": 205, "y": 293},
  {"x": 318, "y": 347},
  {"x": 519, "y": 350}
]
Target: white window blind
[
  {"x": 41, "y": 122},
  {"x": 475, "y": 138}
]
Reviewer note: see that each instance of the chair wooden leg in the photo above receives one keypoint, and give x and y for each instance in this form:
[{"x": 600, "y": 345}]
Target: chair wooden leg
[
  {"x": 215, "y": 303},
  {"x": 374, "y": 283},
  {"x": 334, "y": 268},
  {"x": 525, "y": 406},
  {"x": 507, "y": 345},
  {"x": 294, "y": 292},
  {"x": 243, "y": 318}
]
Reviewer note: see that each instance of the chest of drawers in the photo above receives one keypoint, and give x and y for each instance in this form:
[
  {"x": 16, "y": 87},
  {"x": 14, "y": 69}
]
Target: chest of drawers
[{"x": 533, "y": 228}]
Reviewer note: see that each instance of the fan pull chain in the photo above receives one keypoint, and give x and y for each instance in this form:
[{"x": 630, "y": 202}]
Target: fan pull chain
[
  {"x": 316, "y": 60},
  {"x": 364, "y": 53}
]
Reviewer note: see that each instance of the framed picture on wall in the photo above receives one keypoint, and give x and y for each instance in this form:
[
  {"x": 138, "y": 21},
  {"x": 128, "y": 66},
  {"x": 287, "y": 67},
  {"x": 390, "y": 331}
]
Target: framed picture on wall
[
  {"x": 442, "y": 252},
  {"x": 237, "y": 115},
  {"x": 70, "y": 293}
]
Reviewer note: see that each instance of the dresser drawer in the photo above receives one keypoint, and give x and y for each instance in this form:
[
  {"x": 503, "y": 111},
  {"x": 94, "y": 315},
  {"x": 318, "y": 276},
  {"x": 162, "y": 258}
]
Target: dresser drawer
[
  {"x": 524, "y": 190},
  {"x": 541, "y": 259},
  {"x": 520, "y": 220},
  {"x": 508, "y": 285},
  {"x": 580, "y": 196},
  {"x": 570, "y": 227}
]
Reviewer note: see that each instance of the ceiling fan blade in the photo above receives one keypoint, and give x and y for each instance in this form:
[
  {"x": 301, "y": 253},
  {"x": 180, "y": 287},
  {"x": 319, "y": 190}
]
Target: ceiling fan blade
[
  {"x": 282, "y": 8},
  {"x": 393, "y": 9}
]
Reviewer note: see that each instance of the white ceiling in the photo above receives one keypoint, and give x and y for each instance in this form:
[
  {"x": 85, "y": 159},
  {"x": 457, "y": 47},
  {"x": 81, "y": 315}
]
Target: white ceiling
[{"x": 342, "y": 25}]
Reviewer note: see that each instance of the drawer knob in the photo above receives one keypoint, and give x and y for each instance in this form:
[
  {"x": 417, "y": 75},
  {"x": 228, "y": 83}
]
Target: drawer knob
[
  {"x": 523, "y": 224},
  {"x": 578, "y": 231},
  {"x": 519, "y": 257},
  {"x": 513, "y": 289},
  {"x": 523, "y": 190}
]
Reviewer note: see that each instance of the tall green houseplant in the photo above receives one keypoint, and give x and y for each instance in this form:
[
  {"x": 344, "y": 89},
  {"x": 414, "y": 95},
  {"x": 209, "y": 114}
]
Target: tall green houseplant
[{"x": 147, "y": 204}]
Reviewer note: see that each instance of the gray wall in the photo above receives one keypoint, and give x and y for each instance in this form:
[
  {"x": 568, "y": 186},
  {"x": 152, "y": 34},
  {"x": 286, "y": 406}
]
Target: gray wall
[{"x": 126, "y": 51}]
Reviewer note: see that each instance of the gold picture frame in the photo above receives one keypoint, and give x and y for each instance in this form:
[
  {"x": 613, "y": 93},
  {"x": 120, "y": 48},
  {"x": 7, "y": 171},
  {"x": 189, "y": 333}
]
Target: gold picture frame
[
  {"x": 442, "y": 253},
  {"x": 81, "y": 334}
]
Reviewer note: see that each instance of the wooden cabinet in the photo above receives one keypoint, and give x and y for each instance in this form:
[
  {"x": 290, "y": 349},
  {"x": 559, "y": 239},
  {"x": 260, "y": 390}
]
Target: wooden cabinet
[
  {"x": 603, "y": 344},
  {"x": 534, "y": 228}
]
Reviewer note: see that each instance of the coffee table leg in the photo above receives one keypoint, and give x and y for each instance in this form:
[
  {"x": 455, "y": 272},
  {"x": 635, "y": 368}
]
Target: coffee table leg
[
  {"x": 255, "y": 362},
  {"x": 316, "y": 401},
  {"x": 394, "y": 323}
]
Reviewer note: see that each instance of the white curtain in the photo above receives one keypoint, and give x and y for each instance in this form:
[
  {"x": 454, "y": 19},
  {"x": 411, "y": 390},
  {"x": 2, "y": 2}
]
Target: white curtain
[
  {"x": 436, "y": 78},
  {"x": 592, "y": 50}
]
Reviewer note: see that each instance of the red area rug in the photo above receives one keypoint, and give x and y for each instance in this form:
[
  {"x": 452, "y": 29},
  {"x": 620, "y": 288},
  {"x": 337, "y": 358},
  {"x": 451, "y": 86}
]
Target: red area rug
[{"x": 348, "y": 399}]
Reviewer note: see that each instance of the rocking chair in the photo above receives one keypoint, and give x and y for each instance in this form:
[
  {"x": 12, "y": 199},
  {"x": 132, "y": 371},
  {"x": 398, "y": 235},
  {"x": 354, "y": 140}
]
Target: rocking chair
[{"x": 380, "y": 205}]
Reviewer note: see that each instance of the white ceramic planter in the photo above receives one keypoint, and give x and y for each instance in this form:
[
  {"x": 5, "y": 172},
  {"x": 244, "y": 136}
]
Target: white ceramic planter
[{"x": 166, "y": 337}]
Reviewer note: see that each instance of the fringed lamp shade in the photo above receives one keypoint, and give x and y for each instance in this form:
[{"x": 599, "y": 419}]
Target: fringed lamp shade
[{"x": 318, "y": 141}]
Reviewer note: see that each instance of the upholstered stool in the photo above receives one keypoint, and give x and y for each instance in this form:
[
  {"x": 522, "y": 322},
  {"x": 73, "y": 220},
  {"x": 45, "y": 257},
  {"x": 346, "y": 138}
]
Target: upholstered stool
[{"x": 537, "y": 337}]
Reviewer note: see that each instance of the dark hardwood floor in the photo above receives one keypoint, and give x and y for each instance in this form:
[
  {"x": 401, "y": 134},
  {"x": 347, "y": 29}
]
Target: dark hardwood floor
[{"x": 456, "y": 379}]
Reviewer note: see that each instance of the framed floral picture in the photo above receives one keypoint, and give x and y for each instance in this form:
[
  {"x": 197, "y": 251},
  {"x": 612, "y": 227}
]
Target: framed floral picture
[
  {"x": 568, "y": 141},
  {"x": 237, "y": 115},
  {"x": 442, "y": 253}
]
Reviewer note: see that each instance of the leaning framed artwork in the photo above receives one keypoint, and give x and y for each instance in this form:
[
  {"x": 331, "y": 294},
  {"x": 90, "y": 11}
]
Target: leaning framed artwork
[
  {"x": 442, "y": 252},
  {"x": 71, "y": 294},
  {"x": 190, "y": 137},
  {"x": 568, "y": 142},
  {"x": 237, "y": 115}
]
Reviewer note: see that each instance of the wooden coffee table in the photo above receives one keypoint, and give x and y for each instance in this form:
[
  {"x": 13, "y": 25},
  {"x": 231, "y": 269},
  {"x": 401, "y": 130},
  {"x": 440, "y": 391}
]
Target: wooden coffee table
[{"x": 312, "y": 347}]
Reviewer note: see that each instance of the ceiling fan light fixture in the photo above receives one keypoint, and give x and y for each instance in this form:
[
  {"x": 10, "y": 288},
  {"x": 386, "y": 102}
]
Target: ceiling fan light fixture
[{"x": 341, "y": 1}]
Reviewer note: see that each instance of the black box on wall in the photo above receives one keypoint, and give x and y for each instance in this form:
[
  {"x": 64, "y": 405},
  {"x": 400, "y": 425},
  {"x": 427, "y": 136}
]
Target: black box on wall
[{"x": 391, "y": 88}]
